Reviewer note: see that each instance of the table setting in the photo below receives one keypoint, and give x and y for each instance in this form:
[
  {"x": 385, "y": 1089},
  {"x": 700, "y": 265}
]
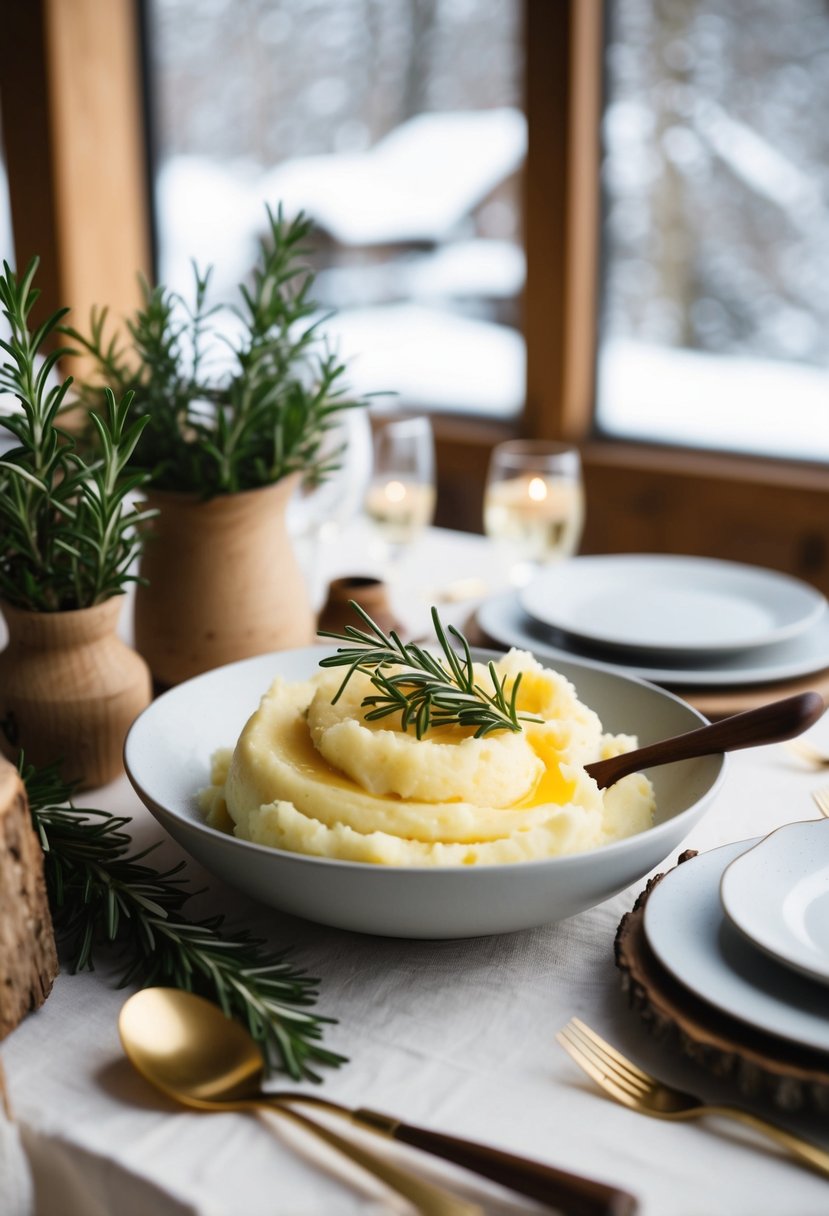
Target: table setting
[
  {"x": 454, "y": 911},
  {"x": 432, "y": 1034}
]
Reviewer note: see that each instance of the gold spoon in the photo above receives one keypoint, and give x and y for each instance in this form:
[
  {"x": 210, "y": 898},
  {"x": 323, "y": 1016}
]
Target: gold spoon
[
  {"x": 187, "y": 1048},
  {"x": 769, "y": 724}
]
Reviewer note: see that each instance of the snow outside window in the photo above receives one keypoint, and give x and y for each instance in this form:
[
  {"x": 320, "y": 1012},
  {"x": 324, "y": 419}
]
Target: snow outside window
[{"x": 715, "y": 291}]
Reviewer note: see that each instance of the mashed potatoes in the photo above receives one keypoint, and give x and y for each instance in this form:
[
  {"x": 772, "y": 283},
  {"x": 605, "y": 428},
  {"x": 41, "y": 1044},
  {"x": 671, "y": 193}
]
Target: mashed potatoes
[{"x": 312, "y": 776}]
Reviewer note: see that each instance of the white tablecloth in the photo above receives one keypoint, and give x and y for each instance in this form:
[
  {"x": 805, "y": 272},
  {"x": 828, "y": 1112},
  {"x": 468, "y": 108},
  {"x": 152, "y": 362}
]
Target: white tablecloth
[{"x": 458, "y": 1036}]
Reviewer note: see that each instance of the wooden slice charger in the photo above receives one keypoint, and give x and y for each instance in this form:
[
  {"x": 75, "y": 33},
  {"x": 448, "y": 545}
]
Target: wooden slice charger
[{"x": 759, "y": 1065}]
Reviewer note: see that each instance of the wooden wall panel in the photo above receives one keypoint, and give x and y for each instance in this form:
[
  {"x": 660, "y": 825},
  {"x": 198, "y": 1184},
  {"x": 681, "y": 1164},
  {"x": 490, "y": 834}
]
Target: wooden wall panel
[
  {"x": 768, "y": 514},
  {"x": 70, "y": 98}
]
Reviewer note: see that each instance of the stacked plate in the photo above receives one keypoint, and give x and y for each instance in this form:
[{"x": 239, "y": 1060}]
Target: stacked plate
[
  {"x": 678, "y": 621},
  {"x": 746, "y": 928}
]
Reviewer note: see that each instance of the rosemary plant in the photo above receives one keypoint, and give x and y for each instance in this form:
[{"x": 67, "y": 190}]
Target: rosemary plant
[
  {"x": 105, "y": 898},
  {"x": 425, "y": 690},
  {"x": 214, "y": 432},
  {"x": 67, "y": 533}
]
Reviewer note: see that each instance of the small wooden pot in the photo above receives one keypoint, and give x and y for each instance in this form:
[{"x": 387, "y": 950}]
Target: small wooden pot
[
  {"x": 223, "y": 582},
  {"x": 69, "y": 690},
  {"x": 370, "y": 593}
]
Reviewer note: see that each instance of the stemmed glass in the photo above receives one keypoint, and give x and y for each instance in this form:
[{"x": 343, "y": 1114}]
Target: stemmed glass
[
  {"x": 534, "y": 503},
  {"x": 317, "y": 515},
  {"x": 400, "y": 499}
]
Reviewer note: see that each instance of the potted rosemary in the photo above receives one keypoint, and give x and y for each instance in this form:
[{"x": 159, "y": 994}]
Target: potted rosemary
[
  {"x": 69, "y": 687},
  {"x": 226, "y": 444}
]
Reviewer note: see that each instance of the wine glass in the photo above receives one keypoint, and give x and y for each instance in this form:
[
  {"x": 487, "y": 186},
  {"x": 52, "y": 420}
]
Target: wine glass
[
  {"x": 400, "y": 499},
  {"x": 534, "y": 503},
  {"x": 318, "y": 514}
]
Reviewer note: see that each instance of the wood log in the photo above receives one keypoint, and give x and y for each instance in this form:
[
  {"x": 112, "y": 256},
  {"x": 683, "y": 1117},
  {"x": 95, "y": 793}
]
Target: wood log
[{"x": 28, "y": 959}]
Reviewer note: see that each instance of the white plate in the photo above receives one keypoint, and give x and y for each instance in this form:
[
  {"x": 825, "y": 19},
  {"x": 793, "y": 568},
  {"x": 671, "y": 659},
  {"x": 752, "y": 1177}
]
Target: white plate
[
  {"x": 777, "y": 895},
  {"x": 167, "y": 757},
  {"x": 503, "y": 620},
  {"x": 673, "y": 605},
  {"x": 688, "y": 933}
]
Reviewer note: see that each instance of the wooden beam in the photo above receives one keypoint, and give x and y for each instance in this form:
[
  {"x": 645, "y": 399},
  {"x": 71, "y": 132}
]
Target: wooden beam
[
  {"x": 70, "y": 95},
  {"x": 561, "y": 213}
]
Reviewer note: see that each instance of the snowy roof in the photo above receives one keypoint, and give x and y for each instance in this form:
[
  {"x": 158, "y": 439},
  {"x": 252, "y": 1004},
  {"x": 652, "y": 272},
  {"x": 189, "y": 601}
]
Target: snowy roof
[{"x": 415, "y": 184}]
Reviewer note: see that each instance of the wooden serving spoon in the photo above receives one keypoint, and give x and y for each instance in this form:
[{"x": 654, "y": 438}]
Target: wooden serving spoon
[
  {"x": 187, "y": 1048},
  {"x": 770, "y": 723}
]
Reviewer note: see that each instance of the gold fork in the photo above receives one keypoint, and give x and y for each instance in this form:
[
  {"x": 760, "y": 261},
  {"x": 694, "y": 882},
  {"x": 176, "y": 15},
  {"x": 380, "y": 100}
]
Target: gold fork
[
  {"x": 821, "y": 800},
  {"x": 641, "y": 1092},
  {"x": 808, "y": 752}
]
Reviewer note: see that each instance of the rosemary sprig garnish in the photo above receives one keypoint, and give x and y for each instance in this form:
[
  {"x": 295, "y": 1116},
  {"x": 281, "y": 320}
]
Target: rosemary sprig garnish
[
  {"x": 422, "y": 688},
  {"x": 103, "y": 896}
]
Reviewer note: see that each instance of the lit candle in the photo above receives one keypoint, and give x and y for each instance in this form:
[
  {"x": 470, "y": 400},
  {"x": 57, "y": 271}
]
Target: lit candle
[
  {"x": 400, "y": 508},
  {"x": 541, "y": 516}
]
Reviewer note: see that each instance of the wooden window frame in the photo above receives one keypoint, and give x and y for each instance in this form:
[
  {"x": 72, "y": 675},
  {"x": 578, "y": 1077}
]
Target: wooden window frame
[
  {"x": 71, "y": 99},
  {"x": 70, "y": 104}
]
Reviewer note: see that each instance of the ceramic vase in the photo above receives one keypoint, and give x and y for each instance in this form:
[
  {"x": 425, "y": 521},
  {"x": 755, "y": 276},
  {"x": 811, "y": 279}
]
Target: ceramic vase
[
  {"x": 70, "y": 689},
  {"x": 222, "y": 582},
  {"x": 370, "y": 593}
]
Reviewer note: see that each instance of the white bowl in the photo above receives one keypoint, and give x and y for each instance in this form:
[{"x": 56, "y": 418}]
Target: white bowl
[{"x": 167, "y": 757}]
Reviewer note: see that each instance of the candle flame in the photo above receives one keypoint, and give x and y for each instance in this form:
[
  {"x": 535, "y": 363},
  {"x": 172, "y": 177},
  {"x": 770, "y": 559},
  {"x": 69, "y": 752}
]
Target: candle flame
[
  {"x": 537, "y": 489},
  {"x": 395, "y": 491}
]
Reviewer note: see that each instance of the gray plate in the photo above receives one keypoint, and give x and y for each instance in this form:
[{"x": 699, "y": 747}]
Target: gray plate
[
  {"x": 689, "y": 934},
  {"x": 503, "y": 619}
]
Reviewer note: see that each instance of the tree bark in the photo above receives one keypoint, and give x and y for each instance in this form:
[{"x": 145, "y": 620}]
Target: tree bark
[{"x": 28, "y": 959}]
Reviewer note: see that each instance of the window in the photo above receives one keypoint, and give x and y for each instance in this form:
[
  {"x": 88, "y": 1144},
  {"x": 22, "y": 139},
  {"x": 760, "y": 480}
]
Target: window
[
  {"x": 398, "y": 129},
  {"x": 715, "y": 302},
  {"x": 641, "y": 496}
]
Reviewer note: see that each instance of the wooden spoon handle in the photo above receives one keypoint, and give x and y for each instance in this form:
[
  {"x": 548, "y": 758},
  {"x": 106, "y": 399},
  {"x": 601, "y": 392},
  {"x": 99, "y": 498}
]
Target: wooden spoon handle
[
  {"x": 768, "y": 724},
  {"x": 570, "y": 1193}
]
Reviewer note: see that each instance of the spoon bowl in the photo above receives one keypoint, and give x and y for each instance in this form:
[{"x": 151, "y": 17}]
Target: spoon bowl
[{"x": 186, "y": 1047}]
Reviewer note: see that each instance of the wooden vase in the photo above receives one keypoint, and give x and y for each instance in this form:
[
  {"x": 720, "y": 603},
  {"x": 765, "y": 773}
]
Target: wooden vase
[
  {"x": 70, "y": 689},
  {"x": 223, "y": 582}
]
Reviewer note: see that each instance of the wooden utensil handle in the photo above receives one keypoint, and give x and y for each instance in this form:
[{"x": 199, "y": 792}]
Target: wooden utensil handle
[
  {"x": 569, "y": 1193},
  {"x": 769, "y": 724}
]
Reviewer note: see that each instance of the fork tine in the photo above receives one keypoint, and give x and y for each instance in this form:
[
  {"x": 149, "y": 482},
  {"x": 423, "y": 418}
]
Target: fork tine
[
  {"x": 595, "y": 1073},
  {"x": 633, "y": 1085},
  {"x": 821, "y": 798},
  {"x": 807, "y": 752},
  {"x": 611, "y": 1053}
]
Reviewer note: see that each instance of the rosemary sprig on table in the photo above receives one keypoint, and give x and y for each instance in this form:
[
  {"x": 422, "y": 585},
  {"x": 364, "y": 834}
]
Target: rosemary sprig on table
[
  {"x": 104, "y": 896},
  {"x": 422, "y": 688}
]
